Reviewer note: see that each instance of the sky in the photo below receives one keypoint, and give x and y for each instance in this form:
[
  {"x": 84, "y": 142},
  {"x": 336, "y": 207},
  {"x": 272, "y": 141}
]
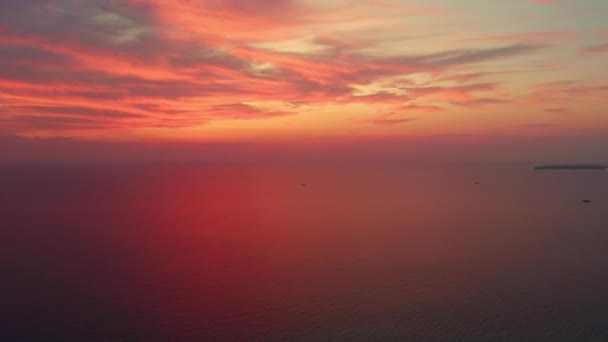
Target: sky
[{"x": 518, "y": 80}]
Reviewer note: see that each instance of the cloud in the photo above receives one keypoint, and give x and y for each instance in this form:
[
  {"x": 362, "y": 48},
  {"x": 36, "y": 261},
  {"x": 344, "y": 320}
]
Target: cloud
[
  {"x": 450, "y": 58},
  {"x": 32, "y": 57},
  {"x": 67, "y": 118},
  {"x": 70, "y": 67},
  {"x": 379, "y": 97},
  {"x": 532, "y": 38},
  {"x": 595, "y": 49},
  {"x": 480, "y": 102},
  {"x": 418, "y": 108},
  {"x": 389, "y": 119},
  {"x": 80, "y": 111},
  {"x": 56, "y": 122},
  {"x": 535, "y": 125},
  {"x": 544, "y": 2},
  {"x": 466, "y": 78},
  {"x": 556, "y": 110},
  {"x": 233, "y": 111},
  {"x": 465, "y": 95},
  {"x": 556, "y": 92}
]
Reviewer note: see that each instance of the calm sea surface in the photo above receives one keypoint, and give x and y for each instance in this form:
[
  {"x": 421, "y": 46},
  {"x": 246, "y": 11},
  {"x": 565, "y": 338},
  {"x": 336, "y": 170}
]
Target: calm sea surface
[{"x": 302, "y": 253}]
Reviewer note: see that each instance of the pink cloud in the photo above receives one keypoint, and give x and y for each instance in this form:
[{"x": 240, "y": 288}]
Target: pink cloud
[
  {"x": 390, "y": 119},
  {"x": 131, "y": 64},
  {"x": 543, "y": 38},
  {"x": 544, "y": 2},
  {"x": 595, "y": 49}
]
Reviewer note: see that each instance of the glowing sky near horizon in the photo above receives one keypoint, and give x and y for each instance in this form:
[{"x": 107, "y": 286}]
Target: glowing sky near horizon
[{"x": 282, "y": 70}]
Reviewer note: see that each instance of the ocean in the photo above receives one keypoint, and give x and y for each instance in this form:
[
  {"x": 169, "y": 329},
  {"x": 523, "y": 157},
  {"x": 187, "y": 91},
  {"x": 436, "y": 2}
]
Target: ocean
[{"x": 343, "y": 252}]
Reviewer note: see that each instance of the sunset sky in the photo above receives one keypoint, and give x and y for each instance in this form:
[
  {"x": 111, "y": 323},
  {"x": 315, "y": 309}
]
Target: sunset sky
[{"x": 525, "y": 79}]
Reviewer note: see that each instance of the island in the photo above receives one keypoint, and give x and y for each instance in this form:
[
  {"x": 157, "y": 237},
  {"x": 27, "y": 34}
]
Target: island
[{"x": 572, "y": 167}]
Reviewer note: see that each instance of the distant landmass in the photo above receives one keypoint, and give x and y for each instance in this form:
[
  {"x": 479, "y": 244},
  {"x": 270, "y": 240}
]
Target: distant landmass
[{"x": 572, "y": 167}]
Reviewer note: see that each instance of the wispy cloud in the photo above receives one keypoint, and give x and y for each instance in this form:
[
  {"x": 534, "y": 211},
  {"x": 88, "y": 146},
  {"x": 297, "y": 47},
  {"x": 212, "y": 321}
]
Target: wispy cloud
[
  {"x": 535, "y": 125},
  {"x": 544, "y": 2},
  {"x": 595, "y": 49},
  {"x": 556, "y": 110},
  {"x": 390, "y": 119},
  {"x": 86, "y": 68}
]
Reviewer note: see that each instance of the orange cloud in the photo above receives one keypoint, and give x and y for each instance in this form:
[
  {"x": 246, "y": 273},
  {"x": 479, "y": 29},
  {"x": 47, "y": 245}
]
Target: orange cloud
[{"x": 85, "y": 68}]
